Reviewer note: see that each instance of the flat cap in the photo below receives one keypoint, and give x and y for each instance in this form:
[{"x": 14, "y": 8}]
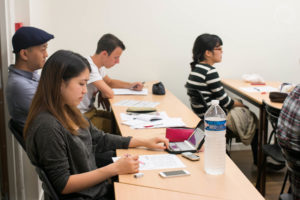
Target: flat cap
[{"x": 27, "y": 36}]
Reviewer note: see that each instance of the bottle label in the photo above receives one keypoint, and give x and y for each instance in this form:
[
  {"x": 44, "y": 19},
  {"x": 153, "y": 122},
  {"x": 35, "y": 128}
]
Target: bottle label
[{"x": 215, "y": 125}]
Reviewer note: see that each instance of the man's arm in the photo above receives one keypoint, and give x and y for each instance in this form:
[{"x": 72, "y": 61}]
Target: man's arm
[
  {"x": 114, "y": 83},
  {"x": 105, "y": 89}
]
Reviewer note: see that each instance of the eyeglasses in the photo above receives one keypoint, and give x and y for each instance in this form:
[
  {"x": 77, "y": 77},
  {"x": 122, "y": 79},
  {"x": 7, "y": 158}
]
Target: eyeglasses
[{"x": 218, "y": 49}]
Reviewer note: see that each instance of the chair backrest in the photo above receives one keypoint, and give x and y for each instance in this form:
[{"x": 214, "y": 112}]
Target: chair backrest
[
  {"x": 47, "y": 185},
  {"x": 17, "y": 131},
  {"x": 272, "y": 114},
  {"x": 196, "y": 97},
  {"x": 104, "y": 102}
]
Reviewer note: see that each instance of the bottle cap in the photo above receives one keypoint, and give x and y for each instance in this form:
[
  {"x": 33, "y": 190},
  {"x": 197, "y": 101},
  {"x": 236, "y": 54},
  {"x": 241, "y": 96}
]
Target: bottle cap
[{"x": 215, "y": 102}]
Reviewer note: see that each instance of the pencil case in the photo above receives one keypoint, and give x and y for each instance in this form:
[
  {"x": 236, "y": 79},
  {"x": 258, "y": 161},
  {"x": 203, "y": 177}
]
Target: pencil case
[
  {"x": 140, "y": 109},
  {"x": 277, "y": 97},
  {"x": 178, "y": 134}
]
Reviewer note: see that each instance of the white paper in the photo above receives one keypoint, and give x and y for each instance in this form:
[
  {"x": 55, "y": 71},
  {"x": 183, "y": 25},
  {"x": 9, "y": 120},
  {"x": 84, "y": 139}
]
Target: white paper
[
  {"x": 148, "y": 118},
  {"x": 132, "y": 116},
  {"x": 135, "y": 103},
  {"x": 121, "y": 91},
  {"x": 160, "y": 161},
  {"x": 259, "y": 89},
  {"x": 137, "y": 122}
]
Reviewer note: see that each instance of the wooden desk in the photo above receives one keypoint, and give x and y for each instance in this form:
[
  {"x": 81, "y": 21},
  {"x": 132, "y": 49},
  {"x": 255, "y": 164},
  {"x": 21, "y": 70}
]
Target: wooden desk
[
  {"x": 232, "y": 185},
  {"x": 168, "y": 103},
  {"x": 255, "y": 98},
  {"x": 133, "y": 192}
]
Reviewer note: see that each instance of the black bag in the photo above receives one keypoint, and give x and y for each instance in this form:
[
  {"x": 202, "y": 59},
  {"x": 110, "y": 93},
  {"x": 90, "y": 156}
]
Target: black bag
[
  {"x": 158, "y": 88},
  {"x": 277, "y": 97}
]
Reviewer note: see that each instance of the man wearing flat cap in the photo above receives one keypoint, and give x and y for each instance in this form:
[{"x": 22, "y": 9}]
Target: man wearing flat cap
[{"x": 30, "y": 48}]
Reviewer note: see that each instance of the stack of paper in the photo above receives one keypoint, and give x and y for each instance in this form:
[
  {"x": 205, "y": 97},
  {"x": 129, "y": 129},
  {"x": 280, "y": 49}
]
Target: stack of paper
[{"x": 156, "y": 120}]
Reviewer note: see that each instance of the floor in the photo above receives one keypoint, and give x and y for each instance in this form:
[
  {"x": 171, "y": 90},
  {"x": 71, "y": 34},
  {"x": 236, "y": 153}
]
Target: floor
[{"x": 274, "y": 179}]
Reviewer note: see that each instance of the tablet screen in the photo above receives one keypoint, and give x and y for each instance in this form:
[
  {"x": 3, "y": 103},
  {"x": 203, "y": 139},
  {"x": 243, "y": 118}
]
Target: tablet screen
[{"x": 196, "y": 137}]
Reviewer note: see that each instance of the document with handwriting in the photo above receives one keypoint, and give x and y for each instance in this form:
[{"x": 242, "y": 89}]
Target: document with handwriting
[{"x": 158, "y": 161}]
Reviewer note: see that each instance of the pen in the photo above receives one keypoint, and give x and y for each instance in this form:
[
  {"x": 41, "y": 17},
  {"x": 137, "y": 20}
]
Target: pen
[
  {"x": 258, "y": 83},
  {"x": 148, "y": 126},
  {"x": 256, "y": 89},
  {"x": 136, "y": 85},
  {"x": 142, "y": 162}
]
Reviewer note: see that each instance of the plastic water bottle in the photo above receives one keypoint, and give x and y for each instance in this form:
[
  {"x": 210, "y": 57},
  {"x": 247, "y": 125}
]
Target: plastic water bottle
[{"x": 215, "y": 142}]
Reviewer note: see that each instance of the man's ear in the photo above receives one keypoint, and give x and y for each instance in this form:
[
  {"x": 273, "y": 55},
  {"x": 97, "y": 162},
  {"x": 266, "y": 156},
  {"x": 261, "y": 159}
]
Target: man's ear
[
  {"x": 23, "y": 54},
  {"x": 104, "y": 53}
]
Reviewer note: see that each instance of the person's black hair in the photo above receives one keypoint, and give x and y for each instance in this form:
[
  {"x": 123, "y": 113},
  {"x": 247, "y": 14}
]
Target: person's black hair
[
  {"x": 69, "y": 64},
  {"x": 108, "y": 43},
  {"x": 203, "y": 43}
]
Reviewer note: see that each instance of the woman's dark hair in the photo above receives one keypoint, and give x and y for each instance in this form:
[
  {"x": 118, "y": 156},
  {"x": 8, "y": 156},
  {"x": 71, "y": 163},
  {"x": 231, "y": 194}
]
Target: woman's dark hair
[
  {"x": 60, "y": 67},
  {"x": 203, "y": 43}
]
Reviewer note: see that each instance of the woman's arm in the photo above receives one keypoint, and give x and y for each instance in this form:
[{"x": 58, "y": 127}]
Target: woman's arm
[
  {"x": 78, "y": 182},
  {"x": 152, "y": 143}
]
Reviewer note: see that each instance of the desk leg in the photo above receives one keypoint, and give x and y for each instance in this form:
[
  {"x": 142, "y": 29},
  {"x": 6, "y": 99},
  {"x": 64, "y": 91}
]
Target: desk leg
[
  {"x": 262, "y": 138},
  {"x": 259, "y": 149}
]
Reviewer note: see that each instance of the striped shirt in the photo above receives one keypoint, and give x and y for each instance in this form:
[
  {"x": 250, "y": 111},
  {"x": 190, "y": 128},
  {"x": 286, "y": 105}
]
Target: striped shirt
[
  {"x": 289, "y": 121},
  {"x": 205, "y": 78}
]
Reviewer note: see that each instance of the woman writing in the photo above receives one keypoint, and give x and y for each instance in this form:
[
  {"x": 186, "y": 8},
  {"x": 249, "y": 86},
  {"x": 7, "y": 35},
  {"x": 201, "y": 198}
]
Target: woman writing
[{"x": 63, "y": 143}]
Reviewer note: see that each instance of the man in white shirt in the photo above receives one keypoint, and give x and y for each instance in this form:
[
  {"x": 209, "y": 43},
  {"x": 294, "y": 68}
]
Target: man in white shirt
[{"x": 109, "y": 50}]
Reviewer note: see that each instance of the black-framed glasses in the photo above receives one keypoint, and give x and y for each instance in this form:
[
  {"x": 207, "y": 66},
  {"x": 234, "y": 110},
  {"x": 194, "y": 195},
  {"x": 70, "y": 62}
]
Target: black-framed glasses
[{"x": 218, "y": 49}]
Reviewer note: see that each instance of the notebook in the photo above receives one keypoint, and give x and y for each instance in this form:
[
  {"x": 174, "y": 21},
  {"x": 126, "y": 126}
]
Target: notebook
[{"x": 192, "y": 144}]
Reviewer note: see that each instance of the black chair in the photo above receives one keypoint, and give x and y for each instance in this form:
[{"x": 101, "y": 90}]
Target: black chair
[
  {"x": 17, "y": 131},
  {"x": 271, "y": 149},
  {"x": 49, "y": 191},
  {"x": 293, "y": 169},
  {"x": 103, "y": 102},
  {"x": 196, "y": 97}
]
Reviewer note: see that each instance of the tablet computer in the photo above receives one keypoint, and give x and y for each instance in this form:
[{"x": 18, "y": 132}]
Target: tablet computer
[{"x": 192, "y": 144}]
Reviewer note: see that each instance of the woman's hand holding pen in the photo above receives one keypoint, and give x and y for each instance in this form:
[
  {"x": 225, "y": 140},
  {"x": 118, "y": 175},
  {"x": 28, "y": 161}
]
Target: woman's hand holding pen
[
  {"x": 138, "y": 86},
  {"x": 127, "y": 164}
]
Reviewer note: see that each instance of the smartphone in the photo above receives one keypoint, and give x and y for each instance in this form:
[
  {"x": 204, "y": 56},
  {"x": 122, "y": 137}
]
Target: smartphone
[
  {"x": 174, "y": 173},
  {"x": 190, "y": 156}
]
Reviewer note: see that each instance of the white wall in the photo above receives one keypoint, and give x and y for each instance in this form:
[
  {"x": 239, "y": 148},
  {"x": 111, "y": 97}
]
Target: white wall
[{"x": 260, "y": 36}]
